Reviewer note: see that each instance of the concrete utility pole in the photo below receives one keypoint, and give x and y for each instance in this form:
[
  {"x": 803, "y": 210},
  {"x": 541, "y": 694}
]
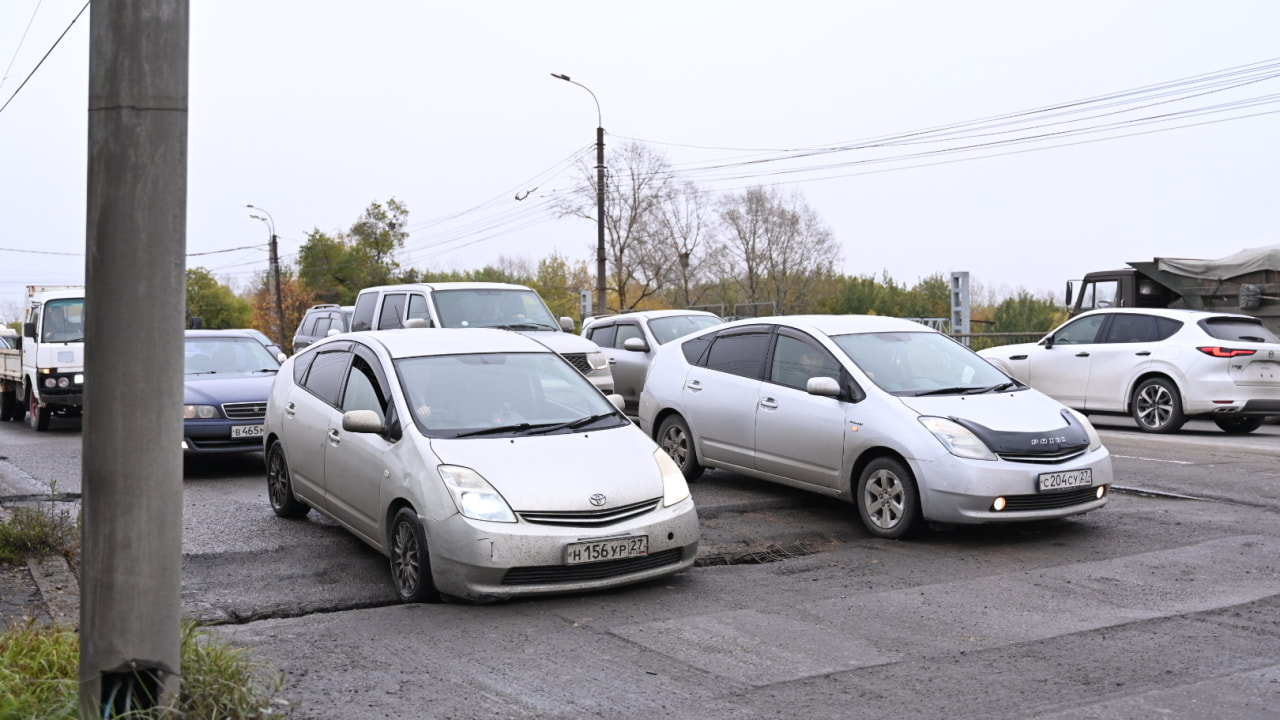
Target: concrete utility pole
[
  {"x": 135, "y": 271},
  {"x": 275, "y": 273},
  {"x": 602, "y": 307}
]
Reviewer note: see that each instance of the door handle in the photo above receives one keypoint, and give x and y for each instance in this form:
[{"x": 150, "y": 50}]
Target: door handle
[
  {"x": 334, "y": 437},
  {"x": 1017, "y": 357},
  {"x": 769, "y": 403},
  {"x": 1143, "y": 353},
  {"x": 694, "y": 385},
  {"x": 290, "y": 410},
  {"x": 612, "y": 361},
  {"x": 1082, "y": 354}
]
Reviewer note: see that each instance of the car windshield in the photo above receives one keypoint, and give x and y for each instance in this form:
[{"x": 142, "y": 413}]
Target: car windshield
[
  {"x": 666, "y": 329},
  {"x": 218, "y": 355},
  {"x": 491, "y": 394},
  {"x": 518, "y": 309},
  {"x": 922, "y": 363}
]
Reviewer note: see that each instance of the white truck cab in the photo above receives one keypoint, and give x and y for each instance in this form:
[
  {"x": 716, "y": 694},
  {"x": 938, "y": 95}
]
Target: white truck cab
[
  {"x": 480, "y": 304},
  {"x": 50, "y": 380}
]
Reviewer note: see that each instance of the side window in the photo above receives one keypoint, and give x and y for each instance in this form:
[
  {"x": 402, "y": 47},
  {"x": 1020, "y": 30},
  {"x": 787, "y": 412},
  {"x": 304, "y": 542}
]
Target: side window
[
  {"x": 1081, "y": 331},
  {"x": 325, "y": 377},
  {"x": 693, "y": 349},
  {"x": 392, "y": 311},
  {"x": 1131, "y": 329},
  {"x": 795, "y": 361},
  {"x": 626, "y": 331},
  {"x": 362, "y": 317},
  {"x": 1166, "y": 327},
  {"x": 739, "y": 354},
  {"x": 322, "y": 326},
  {"x": 418, "y": 308},
  {"x": 602, "y": 335},
  {"x": 1099, "y": 294},
  {"x": 308, "y": 326},
  {"x": 362, "y": 391},
  {"x": 301, "y": 365}
]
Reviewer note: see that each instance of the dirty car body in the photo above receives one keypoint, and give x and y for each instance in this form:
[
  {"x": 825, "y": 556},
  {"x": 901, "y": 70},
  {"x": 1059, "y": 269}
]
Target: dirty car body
[
  {"x": 902, "y": 421},
  {"x": 479, "y": 461},
  {"x": 227, "y": 377}
]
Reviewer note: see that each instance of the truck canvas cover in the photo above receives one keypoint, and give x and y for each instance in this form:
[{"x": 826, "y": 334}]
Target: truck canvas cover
[{"x": 1246, "y": 261}]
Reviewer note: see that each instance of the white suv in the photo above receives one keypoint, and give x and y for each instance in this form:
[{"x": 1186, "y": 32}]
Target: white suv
[{"x": 480, "y": 304}]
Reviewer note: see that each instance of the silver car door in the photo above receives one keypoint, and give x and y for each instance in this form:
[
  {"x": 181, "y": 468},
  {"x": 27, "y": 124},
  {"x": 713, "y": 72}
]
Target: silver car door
[
  {"x": 354, "y": 469},
  {"x": 306, "y": 417},
  {"x": 799, "y": 436},
  {"x": 628, "y": 366},
  {"x": 720, "y": 398}
]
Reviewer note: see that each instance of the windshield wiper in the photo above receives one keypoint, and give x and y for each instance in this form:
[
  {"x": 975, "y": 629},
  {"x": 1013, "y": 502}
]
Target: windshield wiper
[
  {"x": 526, "y": 326},
  {"x": 515, "y": 428},
  {"x": 573, "y": 424},
  {"x": 967, "y": 390}
]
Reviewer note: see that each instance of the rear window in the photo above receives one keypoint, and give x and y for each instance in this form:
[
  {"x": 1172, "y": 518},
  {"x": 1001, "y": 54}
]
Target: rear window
[{"x": 1233, "y": 329}]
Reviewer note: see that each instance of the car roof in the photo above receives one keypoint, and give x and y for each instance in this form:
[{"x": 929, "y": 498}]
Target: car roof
[
  {"x": 833, "y": 324},
  {"x": 651, "y": 314},
  {"x": 416, "y": 342},
  {"x": 448, "y": 286},
  {"x": 1175, "y": 313},
  {"x": 219, "y": 333}
]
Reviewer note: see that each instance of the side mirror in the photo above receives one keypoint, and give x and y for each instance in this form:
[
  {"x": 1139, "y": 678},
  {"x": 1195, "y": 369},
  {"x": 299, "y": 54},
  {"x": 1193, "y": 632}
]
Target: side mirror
[
  {"x": 332, "y": 331},
  {"x": 566, "y": 324},
  {"x": 635, "y": 345},
  {"x": 824, "y": 386},
  {"x": 281, "y": 357},
  {"x": 417, "y": 322},
  {"x": 361, "y": 421},
  {"x": 1047, "y": 342},
  {"x": 29, "y": 330},
  {"x": 618, "y": 401},
  {"x": 1069, "y": 292}
]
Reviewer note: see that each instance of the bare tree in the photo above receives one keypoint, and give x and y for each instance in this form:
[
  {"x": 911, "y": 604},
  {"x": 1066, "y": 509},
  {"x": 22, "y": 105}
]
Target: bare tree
[
  {"x": 688, "y": 243},
  {"x": 776, "y": 247},
  {"x": 639, "y": 181}
]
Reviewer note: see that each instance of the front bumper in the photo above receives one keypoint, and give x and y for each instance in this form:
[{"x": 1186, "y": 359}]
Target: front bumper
[
  {"x": 485, "y": 561},
  {"x": 962, "y": 491},
  {"x": 214, "y": 436}
]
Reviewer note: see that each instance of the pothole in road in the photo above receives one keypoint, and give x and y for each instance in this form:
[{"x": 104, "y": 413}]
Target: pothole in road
[{"x": 758, "y": 555}]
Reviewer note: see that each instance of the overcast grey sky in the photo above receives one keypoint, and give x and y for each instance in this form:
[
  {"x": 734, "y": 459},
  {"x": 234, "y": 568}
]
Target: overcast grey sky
[{"x": 313, "y": 110}]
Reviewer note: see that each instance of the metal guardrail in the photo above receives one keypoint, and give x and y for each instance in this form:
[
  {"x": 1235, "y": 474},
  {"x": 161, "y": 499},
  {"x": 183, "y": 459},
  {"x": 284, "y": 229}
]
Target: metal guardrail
[{"x": 981, "y": 341}]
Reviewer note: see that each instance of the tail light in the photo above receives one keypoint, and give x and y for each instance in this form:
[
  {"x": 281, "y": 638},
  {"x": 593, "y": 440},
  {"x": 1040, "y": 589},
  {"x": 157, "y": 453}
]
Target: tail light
[{"x": 1225, "y": 352}]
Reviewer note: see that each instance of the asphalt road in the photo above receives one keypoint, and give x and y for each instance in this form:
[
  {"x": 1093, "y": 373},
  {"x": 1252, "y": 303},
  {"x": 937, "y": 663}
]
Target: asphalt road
[{"x": 1163, "y": 604}]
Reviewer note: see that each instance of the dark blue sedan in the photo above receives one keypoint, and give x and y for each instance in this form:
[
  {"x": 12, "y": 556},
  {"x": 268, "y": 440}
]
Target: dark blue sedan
[{"x": 228, "y": 378}]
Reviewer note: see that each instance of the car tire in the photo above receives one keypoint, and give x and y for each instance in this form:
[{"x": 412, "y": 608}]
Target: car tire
[
  {"x": 888, "y": 501},
  {"x": 38, "y": 416},
  {"x": 675, "y": 440},
  {"x": 1157, "y": 406},
  {"x": 1239, "y": 425},
  {"x": 280, "y": 486},
  {"x": 410, "y": 561}
]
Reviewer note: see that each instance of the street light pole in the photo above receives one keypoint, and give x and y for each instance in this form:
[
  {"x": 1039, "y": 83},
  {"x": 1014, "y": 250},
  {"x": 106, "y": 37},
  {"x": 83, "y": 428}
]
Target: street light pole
[
  {"x": 275, "y": 272},
  {"x": 601, "y": 305}
]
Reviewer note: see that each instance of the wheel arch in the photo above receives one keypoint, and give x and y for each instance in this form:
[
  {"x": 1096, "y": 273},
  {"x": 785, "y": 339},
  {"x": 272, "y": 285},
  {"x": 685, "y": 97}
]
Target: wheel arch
[
  {"x": 662, "y": 416},
  {"x": 875, "y": 453},
  {"x": 1150, "y": 375}
]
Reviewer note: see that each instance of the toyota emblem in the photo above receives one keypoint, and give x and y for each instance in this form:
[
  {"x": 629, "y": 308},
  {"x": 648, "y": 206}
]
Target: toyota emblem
[{"x": 599, "y": 499}]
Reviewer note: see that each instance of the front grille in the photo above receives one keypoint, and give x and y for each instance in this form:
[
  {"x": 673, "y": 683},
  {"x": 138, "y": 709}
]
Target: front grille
[
  {"x": 578, "y": 360},
  {"x": 1050, "y": 501},
  {"x": 1050, "y": 458},
  {"x": 590, "y": 518},
  {"x": 245, "y": 410},
  {"x": 547, "y": 574}
]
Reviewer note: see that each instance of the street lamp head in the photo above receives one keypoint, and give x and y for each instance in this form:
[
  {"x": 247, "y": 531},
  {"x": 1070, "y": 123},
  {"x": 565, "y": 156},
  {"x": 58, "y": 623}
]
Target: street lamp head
[{"x": 562, "y": 77}]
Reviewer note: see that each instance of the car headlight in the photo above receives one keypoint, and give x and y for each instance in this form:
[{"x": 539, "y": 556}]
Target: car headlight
[
  {"x": 597, "y": 360},
  {"x": 1095, "y": 442},
  {"x": 474, "y": 496},
  {"x": 957, "y": 439},
  {"x": 674, "y": 487},
  {"x": 203, "y": 412}
]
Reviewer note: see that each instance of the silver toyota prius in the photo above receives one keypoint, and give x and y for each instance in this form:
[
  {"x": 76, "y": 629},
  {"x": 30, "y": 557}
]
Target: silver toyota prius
[
  {"x": 479, "y": 461},
  {"x": 902, "y": 421}
]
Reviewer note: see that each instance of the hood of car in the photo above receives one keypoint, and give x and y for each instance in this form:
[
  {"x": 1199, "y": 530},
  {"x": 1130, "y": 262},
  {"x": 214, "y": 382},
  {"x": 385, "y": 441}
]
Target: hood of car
[
  {"x": 1027, "y": 411},
  {"x": 227, "y": 388},
  {"x": 584, "y": 471}
]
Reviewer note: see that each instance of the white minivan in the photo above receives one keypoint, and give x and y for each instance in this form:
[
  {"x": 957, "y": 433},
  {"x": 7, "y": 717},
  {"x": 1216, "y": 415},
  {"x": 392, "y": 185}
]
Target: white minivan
[{"x": 480, "y": 304}]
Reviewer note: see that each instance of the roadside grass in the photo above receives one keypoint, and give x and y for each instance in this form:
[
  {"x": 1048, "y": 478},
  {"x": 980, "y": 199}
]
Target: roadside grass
[
  {"x": 39, "y": 678},
  {"x": 39, "y": 531}
]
